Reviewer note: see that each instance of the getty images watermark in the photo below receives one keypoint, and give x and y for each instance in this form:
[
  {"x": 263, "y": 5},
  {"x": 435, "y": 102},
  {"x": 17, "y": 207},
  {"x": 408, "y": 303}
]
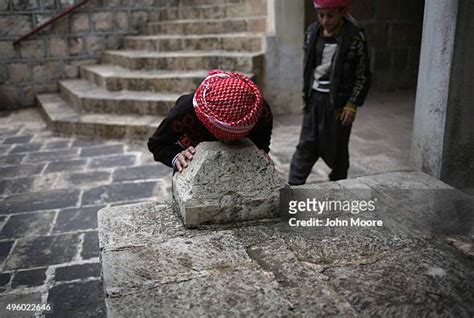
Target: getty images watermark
[
  {"x": 306, "y": 207},
  {"x": 320, "y": 207},
  {"x": 413, "y": 212}
]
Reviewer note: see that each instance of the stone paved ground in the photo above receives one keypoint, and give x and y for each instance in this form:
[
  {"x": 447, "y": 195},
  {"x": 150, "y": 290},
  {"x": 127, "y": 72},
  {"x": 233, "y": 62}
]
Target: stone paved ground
[{"x": 52, "y": 186}]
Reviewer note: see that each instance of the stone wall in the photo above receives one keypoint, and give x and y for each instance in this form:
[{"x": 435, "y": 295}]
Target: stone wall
[
  {"x": 55, "y": 53},
  {"x": 393, "y": 29}
]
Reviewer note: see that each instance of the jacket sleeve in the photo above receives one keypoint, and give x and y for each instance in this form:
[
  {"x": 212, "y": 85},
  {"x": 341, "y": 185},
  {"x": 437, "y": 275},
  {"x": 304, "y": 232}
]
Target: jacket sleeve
[
  {"x": 363, "y": 73},
  {"x": 307, "y": 57},
  {"x": 164, "y": 143},
  {"x": 262, "y": 132}
]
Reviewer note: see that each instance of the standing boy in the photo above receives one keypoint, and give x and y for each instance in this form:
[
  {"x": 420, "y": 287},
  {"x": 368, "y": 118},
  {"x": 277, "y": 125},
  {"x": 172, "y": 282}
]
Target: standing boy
[
  {"x": 226, "y": 106},
  {"x": 336, "y": 81}
]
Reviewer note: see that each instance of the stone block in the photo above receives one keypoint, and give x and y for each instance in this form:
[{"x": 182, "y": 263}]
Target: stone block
[
  {"x": 5, "y": 248},
  {"x": 3, "y": 74},
  {"x": 227, "y": 183},
  {"x": 94, "y": 44},
  {"x": 30, "y": 224},
  {"x": 57, "y": 47},
  {"x": 121, "y": 20},
  {"x": 90, "y": 245},
  {"x": 15, "y": 25},
  {"x": 43, "y": 251},
  {"x": 63, "y": 26},
  {"x": 113, "y": 3},
  {"x": 19, "y": 72},
  {"x": 75, "y": 45},
  {"x": 48, "y": 4},
  {"x": 30, "y": 92},
  {"x": 73, "y": 272},
  {"x": 7, "y": 51},
  {"x": 139, "y": 17},
  {"x": 45, "y": 72},
  {"x": 33, "y": 49},
  {"x": 31, "y": 278},
  {"x": 103, "y": 21},
  {"x": 10, "y": 96},
  {"x": 112, "y": 42},
  {"x": 24, "y": 4},
  {"x": 80, "y": 22},
  {"x": 36, "y": 201},
  {"x": 78, "y": 297},
  {"x": 71, "y": 70},
  {"x": 120, "y": 192}
]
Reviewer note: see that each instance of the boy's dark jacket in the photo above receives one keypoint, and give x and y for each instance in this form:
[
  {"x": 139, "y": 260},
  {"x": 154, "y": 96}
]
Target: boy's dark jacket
[
  {"x": 181, "y": 128},
  {"x": 350, "y": 73}
]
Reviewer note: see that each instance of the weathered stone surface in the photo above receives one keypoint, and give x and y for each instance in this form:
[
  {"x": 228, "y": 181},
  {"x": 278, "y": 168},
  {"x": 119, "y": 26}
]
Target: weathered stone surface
[
  {"x": 90, "y": 246},
  {"x": 73, "y": 272},
  {"x": 35, "y": 201},
  {"x": 150, "y": 260},
  {"x": 34, "y": 49},
  {"x": 227, "y": 183},
  {"x": 14, "y": 186},
  {"x": 5, "y": 247},
  {"x": 77, "y": 300},
  {"x": 31, "y": 278},
  {"x": 30, "y": 224},
  {"x": 80, "y": 22},
  {"x": 57, "y": 47},
  {"x": 76, "y": 219},
  {"x": 19, "y": 72},
  {"x": 43, "y": 251}
]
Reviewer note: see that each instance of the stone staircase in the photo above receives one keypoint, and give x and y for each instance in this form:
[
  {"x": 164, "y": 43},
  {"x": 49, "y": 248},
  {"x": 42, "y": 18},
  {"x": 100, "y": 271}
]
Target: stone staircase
[{"x": 127, "y": 94}]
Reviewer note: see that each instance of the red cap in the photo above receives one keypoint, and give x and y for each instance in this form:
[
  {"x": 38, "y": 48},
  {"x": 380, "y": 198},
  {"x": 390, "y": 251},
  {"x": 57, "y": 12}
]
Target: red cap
[
  {"x": 327, "y": 4},
  {"x": 228, "y": 104}
]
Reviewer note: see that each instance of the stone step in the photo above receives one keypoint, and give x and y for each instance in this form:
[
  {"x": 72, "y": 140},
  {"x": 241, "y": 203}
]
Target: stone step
[
  {"x": 63, "y": 118},
  {"x": 189, "y": 60},
  {"x": 211, "y": 26},
  {"x": 89, "y": 98},
  {"x": 250, "y": 42},
  {"x": 209, "y": 2},
  {"x": 116, "y": 78},
  {"x": 212, "y": 11}
]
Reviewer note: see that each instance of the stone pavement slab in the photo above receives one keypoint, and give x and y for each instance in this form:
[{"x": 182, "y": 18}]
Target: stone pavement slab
[
  {"x": 153, "y": 266},
  {"x": 48, "y": 216}
]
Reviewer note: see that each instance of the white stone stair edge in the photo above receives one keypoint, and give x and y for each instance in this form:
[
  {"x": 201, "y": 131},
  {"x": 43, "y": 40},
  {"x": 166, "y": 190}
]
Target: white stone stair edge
[
  {"x": 125, "y": 73},
  {"x": 87, "y": 93},
  {"x": 196, "y": 36},
  {"x": 51, "y": 102},
  {"x": 255, "y": 17},
  {"x": 180, "y": 54},
  {"x": 246, "y": 11}
]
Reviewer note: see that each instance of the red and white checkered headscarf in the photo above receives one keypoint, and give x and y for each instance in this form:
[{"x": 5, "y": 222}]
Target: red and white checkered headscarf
[
  {"x": 326, "y": 4},
  {"x": 228, "y": 104}
]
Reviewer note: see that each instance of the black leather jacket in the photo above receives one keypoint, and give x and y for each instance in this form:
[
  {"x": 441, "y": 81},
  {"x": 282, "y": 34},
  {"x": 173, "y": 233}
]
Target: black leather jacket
[{"x": 350, "y": 70}]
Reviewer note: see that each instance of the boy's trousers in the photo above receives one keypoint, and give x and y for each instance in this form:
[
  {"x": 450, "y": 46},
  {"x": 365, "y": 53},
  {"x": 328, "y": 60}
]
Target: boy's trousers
[{"x": 322, "y": 135}]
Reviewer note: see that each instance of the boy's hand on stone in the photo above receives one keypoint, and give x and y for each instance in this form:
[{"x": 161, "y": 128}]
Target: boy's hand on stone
[
  {"x": 347, "y": 117},
  {"x": 184, "y": 157}
]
